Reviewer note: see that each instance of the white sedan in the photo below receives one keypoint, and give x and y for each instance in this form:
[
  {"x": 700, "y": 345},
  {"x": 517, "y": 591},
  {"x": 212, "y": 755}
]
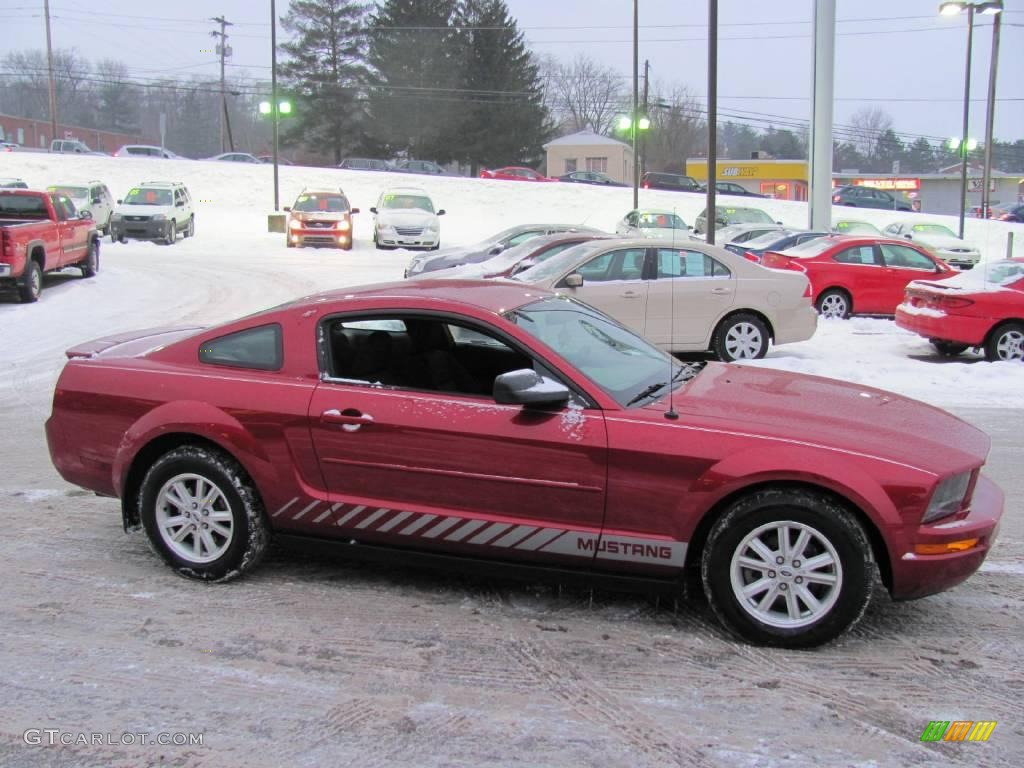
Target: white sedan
[
  {"x": 653, "y": 223},
  {"x": 938, "y": 239},
  {"x": 406, "y": 218}
]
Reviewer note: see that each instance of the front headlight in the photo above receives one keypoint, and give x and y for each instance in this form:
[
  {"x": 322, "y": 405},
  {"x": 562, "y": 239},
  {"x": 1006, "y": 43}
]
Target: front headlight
[
  {"x": 159, "y": 217},
  {"x": 434, "y": 225},
  {"x": 344, "y": 225},
  {"x": 115, "y": 217},
  {"x": 294, "y": 224},
  {"x": 387, "y": 229},
  {"x": 948, "y": 497}
]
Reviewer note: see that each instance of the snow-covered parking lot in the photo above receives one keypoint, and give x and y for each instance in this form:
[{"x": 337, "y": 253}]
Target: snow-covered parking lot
[{"x": 318, "y": 661}]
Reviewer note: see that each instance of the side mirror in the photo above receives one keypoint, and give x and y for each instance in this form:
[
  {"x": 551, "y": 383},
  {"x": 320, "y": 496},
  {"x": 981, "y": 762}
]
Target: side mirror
[
  {"x": 119, "y": 202},
  {"x": 441, "y": 212},
  {"x": 496, "y": 249},
  {"x": 373, "y": 210},
  {"x": 909, "y": 236},
  {"x": 354, "y": 210},
  {"x": 575, "y": 280},
  {"x": 85, "y": 214},
  {"x": 96, "y": 201},
  {"x": 180, "y": 204},
  {"x": 527, "y": 387},
  {"x": 778, "y": 222},
  {"x": 287, "y": 209}
]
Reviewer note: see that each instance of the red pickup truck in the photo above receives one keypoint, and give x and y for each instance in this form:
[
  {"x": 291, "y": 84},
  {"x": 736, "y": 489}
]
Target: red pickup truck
[{"x": 41, "y": 232}]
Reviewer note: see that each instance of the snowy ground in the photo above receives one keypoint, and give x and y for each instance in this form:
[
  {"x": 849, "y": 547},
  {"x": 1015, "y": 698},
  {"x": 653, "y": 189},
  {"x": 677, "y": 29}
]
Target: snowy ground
[{"x": 315, "y": 662}]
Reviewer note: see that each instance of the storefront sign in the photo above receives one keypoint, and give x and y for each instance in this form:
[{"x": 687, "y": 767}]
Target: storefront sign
[{"x": 897, "y": 185}]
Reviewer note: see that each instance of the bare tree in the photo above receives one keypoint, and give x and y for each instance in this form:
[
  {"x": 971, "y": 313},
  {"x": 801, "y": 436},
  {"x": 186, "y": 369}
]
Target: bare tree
[
  {"x": 677, "y": 129},
  {"x": 582, "y": 94},
  {"x": 867, "y": 124}
]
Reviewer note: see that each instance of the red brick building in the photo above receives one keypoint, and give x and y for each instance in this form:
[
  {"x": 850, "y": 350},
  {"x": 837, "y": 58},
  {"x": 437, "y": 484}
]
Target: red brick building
[{"x": 36, "y": 134}]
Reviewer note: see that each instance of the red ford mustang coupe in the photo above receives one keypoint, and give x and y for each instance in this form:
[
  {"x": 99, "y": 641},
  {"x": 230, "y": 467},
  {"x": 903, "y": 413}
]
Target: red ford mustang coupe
[
  {"x": 859, "y": 275},
  {"x": 489, "y": 420},
  {"x": 982, "y": 308}
]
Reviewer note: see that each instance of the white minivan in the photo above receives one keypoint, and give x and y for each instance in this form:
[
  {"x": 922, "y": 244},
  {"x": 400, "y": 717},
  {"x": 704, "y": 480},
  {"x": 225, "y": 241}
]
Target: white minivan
[{"x": 406, "y": 218}]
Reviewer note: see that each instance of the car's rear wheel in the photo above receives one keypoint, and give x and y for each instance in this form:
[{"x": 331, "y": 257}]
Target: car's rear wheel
[
  {"x": 740, "y": 337},
  {"x": 787, "y": 567},
  {"x": 834, "y": 303},
  {"x": 948, "y": 348},
  {"x": 31, "y": 284},
  {"x": 91, "y": 264},
  {"x": 202, "y": 514},
  {"x": 1005, "y": 343}
]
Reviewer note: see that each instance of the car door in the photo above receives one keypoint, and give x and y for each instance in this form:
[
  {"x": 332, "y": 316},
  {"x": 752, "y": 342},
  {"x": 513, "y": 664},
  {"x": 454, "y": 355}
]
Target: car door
[
  {"x": 902, "y": 265},
  {"x": 627, "y": 225},
  {"x": 691, "y": 291},
  {"x": 420, "y": 463},
  {"x": 101, "y": 205},
  {"x": 616, "y": 282},
  {"x": 71, "y": 231},
  {"x": 861, "y": 271}
]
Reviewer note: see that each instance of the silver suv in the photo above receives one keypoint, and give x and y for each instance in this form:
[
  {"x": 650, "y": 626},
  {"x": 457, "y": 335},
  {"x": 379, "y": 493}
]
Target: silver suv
[
  {"x": 92, "y": 196},
  {"x": 154, "y": 210}
]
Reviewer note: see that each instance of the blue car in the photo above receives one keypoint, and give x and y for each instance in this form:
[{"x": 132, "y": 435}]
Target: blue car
[{"x": 755, "y": 249}]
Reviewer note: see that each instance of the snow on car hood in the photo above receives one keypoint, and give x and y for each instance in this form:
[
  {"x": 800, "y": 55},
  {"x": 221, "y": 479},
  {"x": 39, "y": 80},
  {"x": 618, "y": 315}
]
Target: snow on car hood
[
  {"x": 144, "y": 210},
  {"x": 664, "y": 233},
  {"x": 827, "y": 412},
  {"x": 944, "y": 242},
  {"x": 405, "y": 217}
]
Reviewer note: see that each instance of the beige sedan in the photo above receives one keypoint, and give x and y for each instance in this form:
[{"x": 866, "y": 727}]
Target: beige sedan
[{"x": 689, "y": 297}]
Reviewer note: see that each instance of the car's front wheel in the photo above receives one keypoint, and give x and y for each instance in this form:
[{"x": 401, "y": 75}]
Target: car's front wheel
[
  {"x": 1006, "y": 343},
  {"x": 740, "y": 337},
  {"x": 172, "y": 233},
  {"x": 91, "y": 265},
  {"x": 787, "y": 567},
  {"x": 202, "y": 514}
]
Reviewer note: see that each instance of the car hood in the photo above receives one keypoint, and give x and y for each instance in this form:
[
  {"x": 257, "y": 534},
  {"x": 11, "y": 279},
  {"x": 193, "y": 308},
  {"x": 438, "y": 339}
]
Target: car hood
[
  {"x": 319, "y": 215},
  {"x": 944, "y": 242},
  {"x": 663, "y": 233},
  {"x": 144, "y": 210},
  {"x": 836, "y": 415},
  {"x": 412, "y": 217}
]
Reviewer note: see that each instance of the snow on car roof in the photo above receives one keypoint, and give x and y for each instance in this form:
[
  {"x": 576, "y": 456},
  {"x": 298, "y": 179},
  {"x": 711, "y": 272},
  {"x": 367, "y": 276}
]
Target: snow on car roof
[{"x": 497, "y": 296}]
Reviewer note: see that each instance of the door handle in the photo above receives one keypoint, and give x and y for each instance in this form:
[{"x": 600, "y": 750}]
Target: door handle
[
  {"x": 350, "y": 419},
  {"x": 720, "y": 291},
  {"x": 632, "y": 295}
]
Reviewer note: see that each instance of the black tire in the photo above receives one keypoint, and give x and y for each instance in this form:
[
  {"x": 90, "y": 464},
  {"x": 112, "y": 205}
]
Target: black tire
[
  {"x": 1006, "y": 342},
  {"x": 190, "y": 227},
  {"x": 249, "y": 533},
  {"x": 827, "y": 524},
  {"x": 288, "y": 242},
  {"x": 742, "y": 336},
  {"x": 91, "y": 264},
  {"x": 835, "y": 302},
  {"x": 948, "y": 348},
  {"x": 437, "y": 246},
  {"x": 31, "y": 284},
  {"x": 172, "y": 233}
]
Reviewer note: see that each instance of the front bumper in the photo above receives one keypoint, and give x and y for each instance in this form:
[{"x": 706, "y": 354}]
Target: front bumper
[
  {"x": 334, "y": 238},
  {"x": 956, "y": 328},
  {"x": 140, "y": 230},
  {"x": 915, "y": 575},
  {"x": 426, "y": 239}
]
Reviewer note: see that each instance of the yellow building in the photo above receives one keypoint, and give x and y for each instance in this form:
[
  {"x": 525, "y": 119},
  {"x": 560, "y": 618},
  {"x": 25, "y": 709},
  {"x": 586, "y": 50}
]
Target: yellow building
[{"x": 781, "y": 179}]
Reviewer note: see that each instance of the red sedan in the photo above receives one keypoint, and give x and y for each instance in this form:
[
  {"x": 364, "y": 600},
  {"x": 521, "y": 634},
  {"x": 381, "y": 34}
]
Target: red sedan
[
  {"x": 491, "y": 420},
  {"x": 859, "y": 275},
  {"x": 982, "y": 308},
  {"x": 514, "y": 173}
]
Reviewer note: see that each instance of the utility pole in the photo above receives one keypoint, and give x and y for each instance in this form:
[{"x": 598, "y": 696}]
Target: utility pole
[
  {"x": 822, "y": 96},
  {"x": 53, "y": 85},
  {"x": 990, "y": 111},
  {"x": 224, "y": 51},
  {"x": 710, "y": 219},
  {"x": 967, "y": 111},
  {"x": 646, "y": 113}
]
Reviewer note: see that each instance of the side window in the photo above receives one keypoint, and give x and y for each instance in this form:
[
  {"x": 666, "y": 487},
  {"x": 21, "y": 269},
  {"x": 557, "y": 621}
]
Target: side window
[
  {"x": 259, "y": 348},
  {"x": 598, "y": 269},
  {"x": 907, "y": 258},
  {"x": 864, "y": 254},
  {"x": 892, "y": 229},
  {"x": 429, "y": 354},
  {"x": 673, "y": 263},
  {"x": 522, "y": 237},
  {"x": 632, "y": 217}
]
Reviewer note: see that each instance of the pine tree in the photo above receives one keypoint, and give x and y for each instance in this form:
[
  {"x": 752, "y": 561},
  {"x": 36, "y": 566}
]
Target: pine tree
[
  {"x": 326, "y": 69},
  {"x": 920, "y": 157},
  {"x": 415, "y": 74},
  {"x": 502, "y": 116}
]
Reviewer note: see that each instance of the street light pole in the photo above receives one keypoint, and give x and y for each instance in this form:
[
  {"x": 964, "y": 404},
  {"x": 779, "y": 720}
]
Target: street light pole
[
  {"x": 275, "y": 107},
  {"x": 990, "y": 115},
  {"x": 710, "y": 219},
  {"x": 967, "y": 109},
  {"x": 636, "y": 101}
]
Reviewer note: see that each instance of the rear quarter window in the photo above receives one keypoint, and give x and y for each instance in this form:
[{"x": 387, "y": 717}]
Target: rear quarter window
[{"x": 258, "y": 348}]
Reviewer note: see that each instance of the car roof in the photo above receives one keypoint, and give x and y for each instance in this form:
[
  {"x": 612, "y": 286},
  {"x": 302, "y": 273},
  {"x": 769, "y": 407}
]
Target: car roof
[
  {"x": 160, "y": 184},
  {"x": 406, "y": 190},
  {"x": 497, "y": 296},
  {"x": 659, "y": 211}
]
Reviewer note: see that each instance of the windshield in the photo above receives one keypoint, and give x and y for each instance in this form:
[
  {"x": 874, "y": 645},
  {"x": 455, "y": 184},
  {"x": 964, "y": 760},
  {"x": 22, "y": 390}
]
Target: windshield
[
  {"x": 334, "y": 203},
  {"x": 811, "y": 248},
  {"x": 745, "y": 216},
  {"x": 933, "y": 229},
  {"x": 558, "y": 265},
  {"x": 148, "y": 197},
  {"x": 856, "y": 228},
  {"x": 408, "y": 201},
  {"x": 766, "y": 240},
  {"x": 652, "y": 220},
  {"x": 75, "y": 193},
  {"x": 630, "y": 369}
]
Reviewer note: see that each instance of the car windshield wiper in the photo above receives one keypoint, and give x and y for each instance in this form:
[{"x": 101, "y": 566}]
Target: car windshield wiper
[{"x": 647, "y": 392}]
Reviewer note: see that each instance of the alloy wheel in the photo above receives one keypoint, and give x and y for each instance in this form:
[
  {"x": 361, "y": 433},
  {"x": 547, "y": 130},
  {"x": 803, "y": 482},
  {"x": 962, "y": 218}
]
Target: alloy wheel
[{"x": 194, "y": 518}]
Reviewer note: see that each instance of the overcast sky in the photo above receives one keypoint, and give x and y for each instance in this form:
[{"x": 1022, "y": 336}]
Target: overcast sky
[{"x": 901, "y": 56}]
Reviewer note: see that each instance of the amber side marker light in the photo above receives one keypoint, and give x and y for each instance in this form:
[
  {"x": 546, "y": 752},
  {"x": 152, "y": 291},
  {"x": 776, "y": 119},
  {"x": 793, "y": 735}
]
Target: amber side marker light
[{"x": 944, "y": 549}]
